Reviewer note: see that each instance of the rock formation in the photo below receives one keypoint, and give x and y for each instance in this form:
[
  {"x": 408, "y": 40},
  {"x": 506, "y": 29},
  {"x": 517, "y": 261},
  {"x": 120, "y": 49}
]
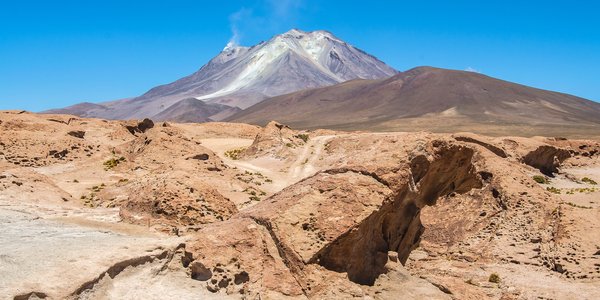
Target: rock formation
[{"x": 163, "y": 210}]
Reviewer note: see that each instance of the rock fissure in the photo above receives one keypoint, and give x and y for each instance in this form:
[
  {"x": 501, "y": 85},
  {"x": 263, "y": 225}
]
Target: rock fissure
[
  {"x": 31, "y": 295},
  {"x": 362, "y": 251},
  {"x": 358, "y": 171},
  {"x": 117, "y": 268},
  {"x": 295, "y": 267},
  {"x": 546, "y": 158},
  {"x": 496, "y": 150}
]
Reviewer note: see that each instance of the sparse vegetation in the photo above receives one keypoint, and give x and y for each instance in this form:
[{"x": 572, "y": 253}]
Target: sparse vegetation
[
  {"x": 552, "y": 189},
  {"x": 113, "y": 162},
  {"x": 75, "y": 181},
  {"x": 540, "y": 179},
  {"x": 588, "y": 180},
  {"x": 235, "y": 153},
  {"x": 98, "y": 188},
  {"x": 302, "y": 136},
  {"x": 90, "y": 201},
  {"x": 245, "y": 180},
  {"x": 576, "y": 206},
  {"x": 327, "y": 147},
  {"x": 254, "y": 178},
  {"x": 494, "y": 278},
  {"x": 290, "y": 145},
  {"x": 581, "y": 190},
  {"x": 254, "y": 193}
]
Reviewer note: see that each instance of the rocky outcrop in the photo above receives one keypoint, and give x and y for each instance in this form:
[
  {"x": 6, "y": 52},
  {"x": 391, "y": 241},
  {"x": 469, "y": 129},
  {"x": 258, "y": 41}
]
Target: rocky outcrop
[
  {"x": 396, "y": 226},
  {"x": 337, "y": 215},
  {"x": 546, "y": 158},
  {"x": 276, "y": 140},
  {"x": 339, "y": 220},
  {"x": 169, "y": 148},
  {"x": 175, "y": 200},
  {"x": 140, "y": 127},
  {"x": 478, "y": 140}
]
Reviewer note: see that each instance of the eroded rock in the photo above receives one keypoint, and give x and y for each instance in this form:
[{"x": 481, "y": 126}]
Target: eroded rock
[
  {"x": 479, "y": 141},
  {"x": 546, "y": 158},
  {"x": 275, "y": 139},
  {"x": 175, "y": 200},
  {"x": 140, "y": 127}
]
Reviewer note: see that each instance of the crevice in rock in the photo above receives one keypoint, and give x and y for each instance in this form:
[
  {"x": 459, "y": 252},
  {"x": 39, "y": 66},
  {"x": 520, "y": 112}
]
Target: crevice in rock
[
  {"x": 419, "y": 167},
  {"x": 200, "y": 271},
  {"x": 498, "y": 196},
  {"x": 441, "y": 287},
  {"x": 547, "y": 159},
  {"x": 117, "y": 268},
  {"x": 68, "y": 122},
  {"x": 31, "y": 296},
  {"x": 492, "y": 148},
  {"x": 357, "y": 171},
  {"x": 361, "y": 252},
  {"x": 186, "y": 258},
  {"x": 285, "y": 253}
]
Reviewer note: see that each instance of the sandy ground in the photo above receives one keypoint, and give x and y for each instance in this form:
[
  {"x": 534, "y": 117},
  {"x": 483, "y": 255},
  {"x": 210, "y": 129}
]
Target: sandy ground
[{"x": 282, "y": 173}]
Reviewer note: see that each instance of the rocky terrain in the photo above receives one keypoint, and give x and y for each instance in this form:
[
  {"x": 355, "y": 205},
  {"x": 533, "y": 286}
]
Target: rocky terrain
[{"x": 96, "y": 209}]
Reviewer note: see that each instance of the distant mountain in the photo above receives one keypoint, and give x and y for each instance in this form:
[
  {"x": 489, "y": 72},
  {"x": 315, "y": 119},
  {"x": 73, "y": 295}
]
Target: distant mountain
[
  {"x": 243, "y": 76},
  {"x": 428, "y": 98},
  {"x": 84, "y": 109},
  {"x": 193, "y": 111}
]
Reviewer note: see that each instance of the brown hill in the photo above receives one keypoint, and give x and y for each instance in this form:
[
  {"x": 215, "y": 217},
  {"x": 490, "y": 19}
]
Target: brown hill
[
  {"x": 81, "y": 109},
  {"x": 426, "y": 98},
  {"x": 192, "y": 110}
]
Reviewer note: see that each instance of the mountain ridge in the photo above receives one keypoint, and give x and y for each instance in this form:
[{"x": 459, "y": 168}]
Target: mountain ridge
[
  {"x": 243, "y": 76},
  {"x": 427, "y": 98}
]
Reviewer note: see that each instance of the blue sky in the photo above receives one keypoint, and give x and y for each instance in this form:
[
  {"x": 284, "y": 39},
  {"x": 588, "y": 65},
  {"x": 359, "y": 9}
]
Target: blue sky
[{"x": 57, "y": 53}]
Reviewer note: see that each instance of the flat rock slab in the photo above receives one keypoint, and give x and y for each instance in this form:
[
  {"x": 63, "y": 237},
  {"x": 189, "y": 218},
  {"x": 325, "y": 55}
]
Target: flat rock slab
[{"x": 39, "y": 254}]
